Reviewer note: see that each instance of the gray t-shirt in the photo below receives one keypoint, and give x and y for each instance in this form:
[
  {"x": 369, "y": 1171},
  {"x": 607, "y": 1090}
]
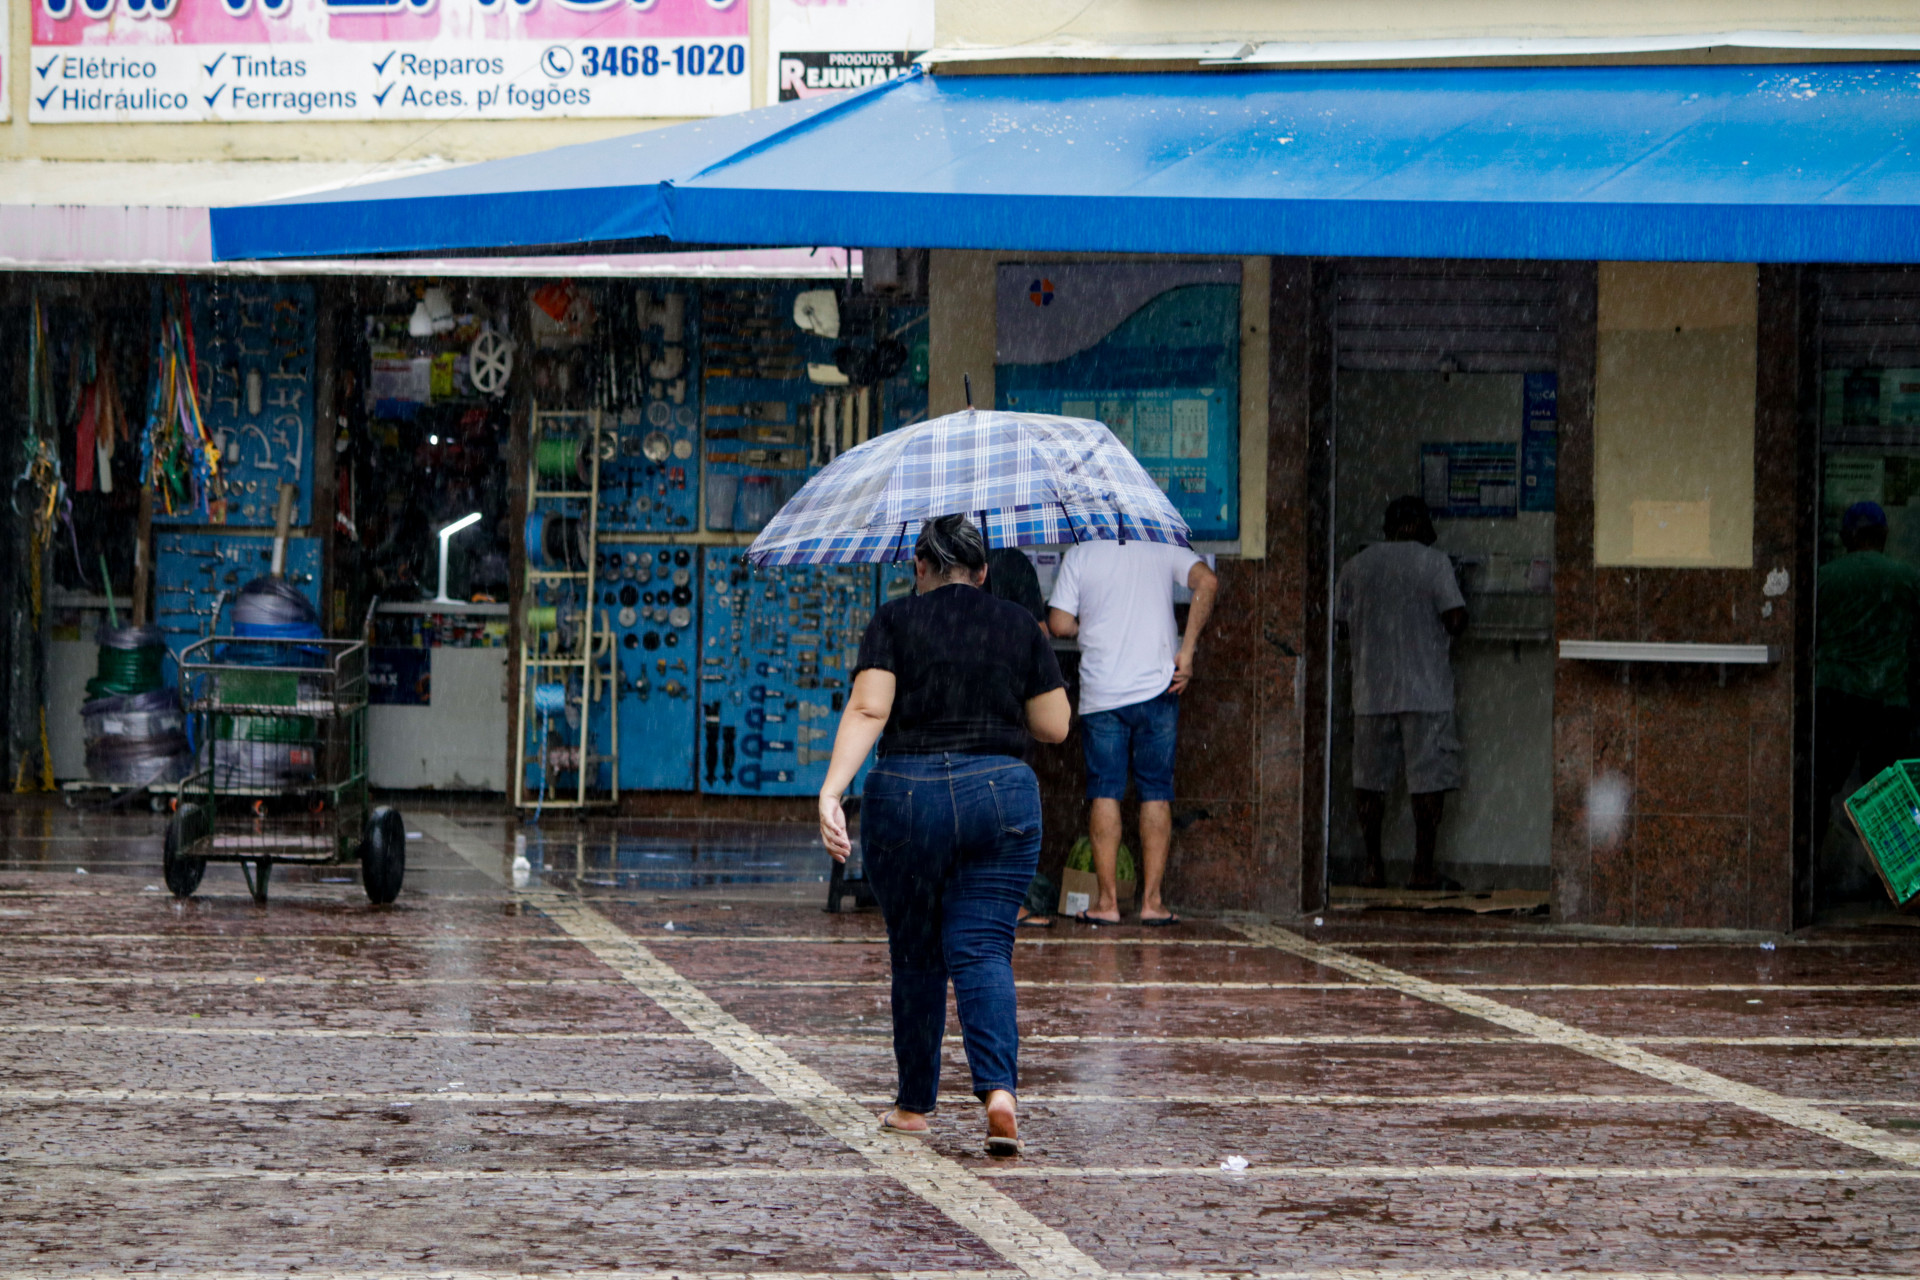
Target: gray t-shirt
[{"x": 1390, "y": 597}]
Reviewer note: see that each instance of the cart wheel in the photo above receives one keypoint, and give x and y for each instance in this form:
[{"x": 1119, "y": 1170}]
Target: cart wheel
[
  {"x": 182, "y": 874},
  {"x": 383, "y": 855}
]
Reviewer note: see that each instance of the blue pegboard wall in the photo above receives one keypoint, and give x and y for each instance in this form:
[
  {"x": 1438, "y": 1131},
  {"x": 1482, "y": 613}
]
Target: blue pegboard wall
[
  {"x": 650, "y": 604},
  {"x": 191, "y": 570},
  {"x": 757, "y": 436},
  {"x": 254, "y": 344},
  {"x": 777, "y": 648},
  {"x": 650, "y": 471}
]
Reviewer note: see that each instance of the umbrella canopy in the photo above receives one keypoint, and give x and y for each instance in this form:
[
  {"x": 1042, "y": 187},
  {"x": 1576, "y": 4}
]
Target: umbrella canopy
[{"x": 1027, "y": 479}]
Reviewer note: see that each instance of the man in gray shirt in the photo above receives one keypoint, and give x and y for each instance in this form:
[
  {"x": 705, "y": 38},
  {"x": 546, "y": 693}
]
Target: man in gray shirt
[{"x": 1400, "y": 605}]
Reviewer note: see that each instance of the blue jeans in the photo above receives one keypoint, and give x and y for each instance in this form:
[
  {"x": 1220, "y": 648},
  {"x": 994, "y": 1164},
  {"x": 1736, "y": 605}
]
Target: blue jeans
[
  {"x": 1145, "y": 731},
  {"x": 951, "y": 843}
]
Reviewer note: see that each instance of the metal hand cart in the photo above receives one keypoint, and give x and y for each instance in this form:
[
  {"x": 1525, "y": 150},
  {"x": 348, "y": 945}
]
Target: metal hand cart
[{"x": 280, "y": 766}]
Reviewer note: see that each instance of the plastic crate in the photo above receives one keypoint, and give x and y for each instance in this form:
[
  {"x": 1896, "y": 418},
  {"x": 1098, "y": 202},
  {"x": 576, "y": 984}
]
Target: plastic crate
[{"x": 1886, "y": 813}]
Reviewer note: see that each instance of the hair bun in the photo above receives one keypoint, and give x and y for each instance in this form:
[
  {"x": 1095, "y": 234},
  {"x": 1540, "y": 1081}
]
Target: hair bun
[{"x": 949, "y": 542}]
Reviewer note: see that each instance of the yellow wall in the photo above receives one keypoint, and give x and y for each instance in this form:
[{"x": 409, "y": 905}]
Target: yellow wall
[
  {"x": 1673, "y": 414},
  {"x": 1007, "y": 22}
]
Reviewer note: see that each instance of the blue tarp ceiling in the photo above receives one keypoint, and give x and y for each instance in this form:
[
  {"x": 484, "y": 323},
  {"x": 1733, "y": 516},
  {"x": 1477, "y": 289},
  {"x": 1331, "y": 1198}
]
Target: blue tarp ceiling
[{"x": 1728, "y": 163}]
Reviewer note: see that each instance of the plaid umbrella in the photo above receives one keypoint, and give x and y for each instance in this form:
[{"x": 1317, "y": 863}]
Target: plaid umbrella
[{"x": 1027, "y": 479}]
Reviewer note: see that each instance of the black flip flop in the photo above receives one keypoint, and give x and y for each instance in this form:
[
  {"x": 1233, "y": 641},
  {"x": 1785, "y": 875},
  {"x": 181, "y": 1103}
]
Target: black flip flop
[
  {"x": 1160, "y": 922},
  {"x": 1084, "y": 918},
  {"x": 1034, "y": 922}
]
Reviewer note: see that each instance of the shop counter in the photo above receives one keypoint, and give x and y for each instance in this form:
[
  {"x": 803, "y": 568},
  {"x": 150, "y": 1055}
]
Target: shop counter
[{"x": 438, "y": 717}]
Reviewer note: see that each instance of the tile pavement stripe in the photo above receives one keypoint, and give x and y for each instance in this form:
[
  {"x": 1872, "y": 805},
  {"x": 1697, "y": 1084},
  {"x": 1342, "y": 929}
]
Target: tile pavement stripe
[
  {"x": 1003, "y": 1225},
  {"x": 1688, "y": 986},
  {"x": 1524, "y": 944},
  {"x": 1350, "y": 985},
  {"x": 1049, "y": 983},
  {"x": 408, "y": 1096},
  {"x": 1485, "y": 1273},
  {"x": 392, "y": 939},
  {"x": 1777, "y": 1107},
  {"x": 1784, "y": 1042},
  {"x": 1458, "y": 1173},
  {"x": 164, "y": 1272},
  {"x": 323, "y": 980},
  {"x": 591, "y": 1097},
  {"x": 878, "y": 1039},
  {"x": 283, "y": 980},
  {"x": 329, "y": 1033},
  {"x": 1254, "y": 1273},
  {"x": 348, "y": 1177},
  {"x": 1059, "y": 1038},
  {"x": 45, "y": 1171}
]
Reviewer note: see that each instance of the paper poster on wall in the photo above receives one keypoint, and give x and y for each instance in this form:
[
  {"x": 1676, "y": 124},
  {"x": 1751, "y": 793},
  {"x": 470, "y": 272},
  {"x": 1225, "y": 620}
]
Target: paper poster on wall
[
  {"x": 1539, "y": 441},
  {"x": 1469, "y": 480},
  {"x": 1152, "y": 351},
  {"x": 221, "y": 60},
  {"x": 823, "y": 46}
]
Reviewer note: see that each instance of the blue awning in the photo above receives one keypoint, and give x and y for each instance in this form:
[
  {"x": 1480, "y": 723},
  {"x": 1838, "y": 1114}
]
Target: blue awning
[{"x": 1726, "y": 163}]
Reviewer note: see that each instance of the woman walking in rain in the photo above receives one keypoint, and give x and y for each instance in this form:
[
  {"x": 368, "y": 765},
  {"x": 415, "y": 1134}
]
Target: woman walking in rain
[{"x": 952, "y": 682}]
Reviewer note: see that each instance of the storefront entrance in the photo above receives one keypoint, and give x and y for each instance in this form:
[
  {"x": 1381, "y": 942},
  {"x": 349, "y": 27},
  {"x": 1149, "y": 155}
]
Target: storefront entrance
[
  {"x": 1869, "y": 414},
  {"x": 1445, "y": 388}
]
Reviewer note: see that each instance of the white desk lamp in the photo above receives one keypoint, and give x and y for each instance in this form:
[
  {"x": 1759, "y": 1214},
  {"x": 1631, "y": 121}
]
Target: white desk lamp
[{"x": 446, "y": 536}]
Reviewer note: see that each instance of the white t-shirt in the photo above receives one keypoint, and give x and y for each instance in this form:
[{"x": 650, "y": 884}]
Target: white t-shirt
[
  {"x": 1390, "y": 597},
  {"x": 1122, "y": 594}
]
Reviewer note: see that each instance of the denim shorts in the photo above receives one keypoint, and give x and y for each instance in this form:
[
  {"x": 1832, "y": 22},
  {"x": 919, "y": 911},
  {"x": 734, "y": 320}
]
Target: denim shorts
[{"x": 1143, "y": 734}]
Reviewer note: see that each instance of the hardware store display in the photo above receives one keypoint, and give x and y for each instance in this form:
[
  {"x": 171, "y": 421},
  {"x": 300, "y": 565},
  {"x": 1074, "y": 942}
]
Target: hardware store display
[
  {"x": 777, "y": 651},
  {"x": 252, "y": 348},
  {"x": 198, "y": 573},
  {"x": 768, "y": 420},
  {"x": 650, "y": 607},
  {"x": 649, "y": 468},
  {"x": 566, "y": 667}
]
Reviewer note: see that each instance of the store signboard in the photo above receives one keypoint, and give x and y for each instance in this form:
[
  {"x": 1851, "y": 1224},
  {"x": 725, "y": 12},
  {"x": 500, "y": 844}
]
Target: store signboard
[
  {"x": 823, "y": 46},
  {"x": 1152, "y": 351},
  {"x": 232, "y": 60}
]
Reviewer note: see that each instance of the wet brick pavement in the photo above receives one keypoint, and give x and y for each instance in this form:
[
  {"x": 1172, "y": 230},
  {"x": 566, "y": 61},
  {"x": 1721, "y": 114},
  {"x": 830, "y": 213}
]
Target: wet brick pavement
[{"x": 480, "y": 1082}]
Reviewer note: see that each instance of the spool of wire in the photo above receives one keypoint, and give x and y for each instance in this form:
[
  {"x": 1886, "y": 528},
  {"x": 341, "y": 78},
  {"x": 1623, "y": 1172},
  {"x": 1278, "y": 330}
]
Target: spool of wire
[
  {"x": 556, "y": 541},
  {"x": 272, "y": 609},
  {"x": 549, "y": 700},
  {"x": 136, "y": 739},
  {"x": 542, "y": 618},
  {"x": 559, "y": 456}
]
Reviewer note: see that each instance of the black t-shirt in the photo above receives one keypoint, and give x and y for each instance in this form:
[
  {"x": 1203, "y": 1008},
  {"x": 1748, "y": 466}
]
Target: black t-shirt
[{"x": 965, "y": 664}]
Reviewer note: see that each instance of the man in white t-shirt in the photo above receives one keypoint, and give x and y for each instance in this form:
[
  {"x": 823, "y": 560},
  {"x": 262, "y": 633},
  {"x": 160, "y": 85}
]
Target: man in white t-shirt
[
  {"x": 1400, "y": 605},
  {"x": 1117, "y": 597}
]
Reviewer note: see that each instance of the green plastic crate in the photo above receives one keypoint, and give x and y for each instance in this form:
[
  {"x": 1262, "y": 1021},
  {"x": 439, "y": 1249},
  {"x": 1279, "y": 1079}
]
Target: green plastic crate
[
  {"x": 258, "y": 689},
  {"x": 1886, "y": 813}
]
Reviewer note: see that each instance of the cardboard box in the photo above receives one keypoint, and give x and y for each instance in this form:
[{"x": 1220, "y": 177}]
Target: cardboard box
[{"x": 1079, "y": 890}]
